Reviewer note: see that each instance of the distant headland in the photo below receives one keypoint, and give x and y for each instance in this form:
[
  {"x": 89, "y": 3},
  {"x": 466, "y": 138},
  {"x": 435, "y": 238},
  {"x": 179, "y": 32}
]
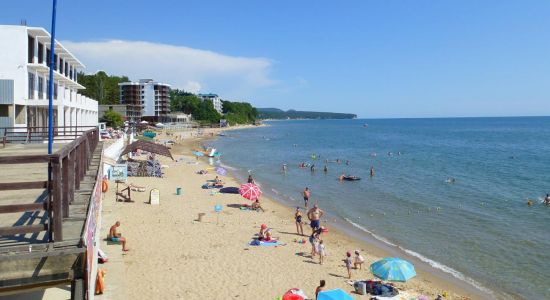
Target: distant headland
[{"x": 275, "y": 113}]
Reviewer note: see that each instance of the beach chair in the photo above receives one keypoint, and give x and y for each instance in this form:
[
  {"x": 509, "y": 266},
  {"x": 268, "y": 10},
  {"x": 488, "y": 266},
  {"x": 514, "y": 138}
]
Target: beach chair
[{"x": 123, "y": 195}]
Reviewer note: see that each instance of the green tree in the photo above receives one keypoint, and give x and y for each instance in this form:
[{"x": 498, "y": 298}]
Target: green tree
[
  {"x": 184, "y": 102},
  {"x": 239, "y": 112},
  {"x": 112, "y": 118},
  {"x": 102, "y": 87},
  {"x": 207, "y": 113}
]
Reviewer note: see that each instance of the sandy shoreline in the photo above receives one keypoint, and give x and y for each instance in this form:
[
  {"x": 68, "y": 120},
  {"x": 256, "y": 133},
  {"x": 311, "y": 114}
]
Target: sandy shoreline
[{"x": 175, "y": 257}]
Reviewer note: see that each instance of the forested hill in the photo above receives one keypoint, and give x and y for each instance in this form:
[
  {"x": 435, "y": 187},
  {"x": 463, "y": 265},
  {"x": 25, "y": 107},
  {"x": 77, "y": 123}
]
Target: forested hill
[{"x": 275, "y": 113}]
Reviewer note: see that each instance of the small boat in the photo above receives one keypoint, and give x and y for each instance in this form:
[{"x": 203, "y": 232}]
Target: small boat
[{"x": 351, "y": 178}]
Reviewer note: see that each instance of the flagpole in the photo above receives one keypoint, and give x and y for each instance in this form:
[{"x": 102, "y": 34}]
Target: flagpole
[{"x": 51, "y": 85}]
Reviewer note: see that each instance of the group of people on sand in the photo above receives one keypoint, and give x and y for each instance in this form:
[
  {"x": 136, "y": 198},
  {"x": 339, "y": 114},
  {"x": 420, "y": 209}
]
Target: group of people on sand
[{"x": 318, "y": 246}]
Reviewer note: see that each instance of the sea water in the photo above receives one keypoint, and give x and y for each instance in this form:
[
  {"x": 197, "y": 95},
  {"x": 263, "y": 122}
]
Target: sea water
[{"x": 451, "y": 192}]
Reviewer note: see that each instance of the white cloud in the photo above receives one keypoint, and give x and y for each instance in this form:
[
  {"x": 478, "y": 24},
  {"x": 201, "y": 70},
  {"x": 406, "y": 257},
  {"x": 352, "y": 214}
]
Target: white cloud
[{"x": 182, "y": 67}]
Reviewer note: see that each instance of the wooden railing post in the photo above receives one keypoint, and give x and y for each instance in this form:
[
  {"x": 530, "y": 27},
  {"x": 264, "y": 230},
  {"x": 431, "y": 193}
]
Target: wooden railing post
[
  {"x": 77, "y": 167},
  {"x": 57, "y": 199},
  {"x": 65, "y": 185},
  {"x": 70, "y": 178}
]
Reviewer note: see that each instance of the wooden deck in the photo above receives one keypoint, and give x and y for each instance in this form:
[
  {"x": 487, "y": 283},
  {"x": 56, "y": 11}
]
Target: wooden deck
[{"x": 41, "y": 220}]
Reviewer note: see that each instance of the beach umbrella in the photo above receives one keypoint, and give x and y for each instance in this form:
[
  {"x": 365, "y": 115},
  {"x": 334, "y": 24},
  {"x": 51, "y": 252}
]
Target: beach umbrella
[
  {"x": 294, "y": 294},
  {"x": 336, "y": 294},
  {"x": 221, "y": 171},
  {"x": 250, "y": 191},
  {"x": 197, "y": 153},
  {"x": 393, "y": 269}
]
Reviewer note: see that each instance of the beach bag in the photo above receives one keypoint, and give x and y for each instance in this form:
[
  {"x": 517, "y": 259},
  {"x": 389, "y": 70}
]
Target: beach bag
[
  {"x": 360, "y": 287},
  {"x": 255, "y": 243}
]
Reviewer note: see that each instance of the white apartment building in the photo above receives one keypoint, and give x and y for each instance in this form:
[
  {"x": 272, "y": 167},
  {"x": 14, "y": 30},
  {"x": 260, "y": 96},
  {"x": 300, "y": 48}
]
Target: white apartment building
[
  {"x": 24, "y": 81},
  {"x": 146, "y": 100},
  {"x": 218, "y": 106}
]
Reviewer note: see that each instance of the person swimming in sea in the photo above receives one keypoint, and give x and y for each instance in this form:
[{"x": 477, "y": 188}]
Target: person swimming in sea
[
  {"x": 325, "y": 169},
  {"x": 312, "y": 168},
  {"x": 450, "y": 180},
  {"x": 347, "y": 162},
  {"x": 284, "y": 168},
  {"x": 371, "y": 171},
  {"x": 547, "y": 199}
]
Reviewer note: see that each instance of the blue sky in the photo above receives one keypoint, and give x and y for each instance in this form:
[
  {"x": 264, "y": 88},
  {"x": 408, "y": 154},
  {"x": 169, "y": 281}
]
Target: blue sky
[{"x": 373, "y": 58}]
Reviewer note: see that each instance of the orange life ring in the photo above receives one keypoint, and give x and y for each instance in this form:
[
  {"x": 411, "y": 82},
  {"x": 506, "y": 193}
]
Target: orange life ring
[{"x": 104, "y": 185}]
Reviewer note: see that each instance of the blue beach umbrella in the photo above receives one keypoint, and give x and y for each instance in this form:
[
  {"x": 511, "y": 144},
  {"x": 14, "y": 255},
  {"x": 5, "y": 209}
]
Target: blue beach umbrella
[
  {"x": 393, "y": 269},
  {"x": 336, "y": 294},
  {"x": 197, "y": 153}
]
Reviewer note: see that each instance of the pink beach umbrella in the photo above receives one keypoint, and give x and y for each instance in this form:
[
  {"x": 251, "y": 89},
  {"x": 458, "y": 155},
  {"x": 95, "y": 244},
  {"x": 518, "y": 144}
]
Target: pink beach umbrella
[{"x": 250, "y": 191}]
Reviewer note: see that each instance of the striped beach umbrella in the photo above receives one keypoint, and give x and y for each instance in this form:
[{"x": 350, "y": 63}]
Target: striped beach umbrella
[
  {"x": 393, "y": 269},
  {"x": 250, "y": 191},
  {"x": 221, "y": 171}
]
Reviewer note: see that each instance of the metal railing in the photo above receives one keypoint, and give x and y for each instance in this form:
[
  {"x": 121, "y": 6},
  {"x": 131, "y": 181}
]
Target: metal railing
[{"x": 40, "y": 134}]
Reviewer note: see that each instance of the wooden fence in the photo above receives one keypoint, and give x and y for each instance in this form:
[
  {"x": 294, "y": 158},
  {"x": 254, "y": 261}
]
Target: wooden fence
[{"x": 66, "y": 169}]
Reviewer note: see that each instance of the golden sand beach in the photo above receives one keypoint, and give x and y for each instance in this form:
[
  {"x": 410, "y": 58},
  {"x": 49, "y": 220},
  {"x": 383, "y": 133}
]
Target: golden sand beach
[{"x": 174, "y": 256}]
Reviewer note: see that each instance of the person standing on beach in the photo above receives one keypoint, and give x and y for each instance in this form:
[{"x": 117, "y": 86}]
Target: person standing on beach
[
  {"x": 298, "y": 219},
  {"x": 250, "y": 179},
  {"x": 314, "y": 215},
  {"x": 348, "y": 262},
  {"x": 306, "y": 193},
  {"x": 322, "y": 251}
]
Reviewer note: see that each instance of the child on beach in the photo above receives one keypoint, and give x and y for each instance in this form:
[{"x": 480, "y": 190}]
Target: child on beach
[
  {"x": 262, "y": 233},
  {"x": 322, "y": 251},
  {"x": 348, "y": 262},
  {"x": 359, "y": 260},
  {"x": 314, "y": 240}
]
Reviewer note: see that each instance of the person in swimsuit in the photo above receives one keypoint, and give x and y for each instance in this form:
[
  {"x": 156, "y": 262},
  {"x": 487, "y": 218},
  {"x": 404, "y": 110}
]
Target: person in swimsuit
[
  {"x": 348, "y": 262},
  {"x": 306, "y": 193},
  {"x": 250, "y": 179},
  {"x": 371, "y": 171},
  {"x": 320, "y": 288},
  {"x": 262, "y": 233},
  {"x": 547, "y": 199},
  {"x": 117, "y": 237},
  {"x": 298, "y": 219},
  {"x": 359, "y": 260},
  {"x": 314, "y": 215}
]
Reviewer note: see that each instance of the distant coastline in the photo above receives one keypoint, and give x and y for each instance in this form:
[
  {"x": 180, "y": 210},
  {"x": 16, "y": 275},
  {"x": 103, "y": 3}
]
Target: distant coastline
[{"x": 279, "y": 114}]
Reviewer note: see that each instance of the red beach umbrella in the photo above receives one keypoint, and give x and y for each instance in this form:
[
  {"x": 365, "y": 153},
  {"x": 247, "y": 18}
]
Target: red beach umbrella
[
  {"x": 250, "y": 191},
  {"x": 294, "y": 294}
]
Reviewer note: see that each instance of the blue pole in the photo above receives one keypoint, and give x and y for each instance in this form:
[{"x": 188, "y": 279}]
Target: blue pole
[{"x": 50, "y": 94}]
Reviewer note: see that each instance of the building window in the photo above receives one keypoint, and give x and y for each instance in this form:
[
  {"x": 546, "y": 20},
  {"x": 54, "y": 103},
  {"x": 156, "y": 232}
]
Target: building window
[
  {"x": 20, "y": 114},
  {"x": 55, "y": 91},
  {"x": 61, "y": 65},
  {"x": 4, "y": 110},
  {"x": 48, "y": 87},
  {"x": 40, "y": 53},
  {"x": 31, "y": 49},
  {"x": 70, "y": 72},
  {"x": 40, "y": 88},
  {"x": 55, "y": 62},
  {"x": 48, "y": 54},
  {"x": 31, "y": 86},
  {"x": 66, "y": 69}
]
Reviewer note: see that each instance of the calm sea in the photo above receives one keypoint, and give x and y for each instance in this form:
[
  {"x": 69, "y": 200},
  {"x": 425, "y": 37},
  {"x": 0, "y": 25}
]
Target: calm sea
[{"x": 478, "y": 228}]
